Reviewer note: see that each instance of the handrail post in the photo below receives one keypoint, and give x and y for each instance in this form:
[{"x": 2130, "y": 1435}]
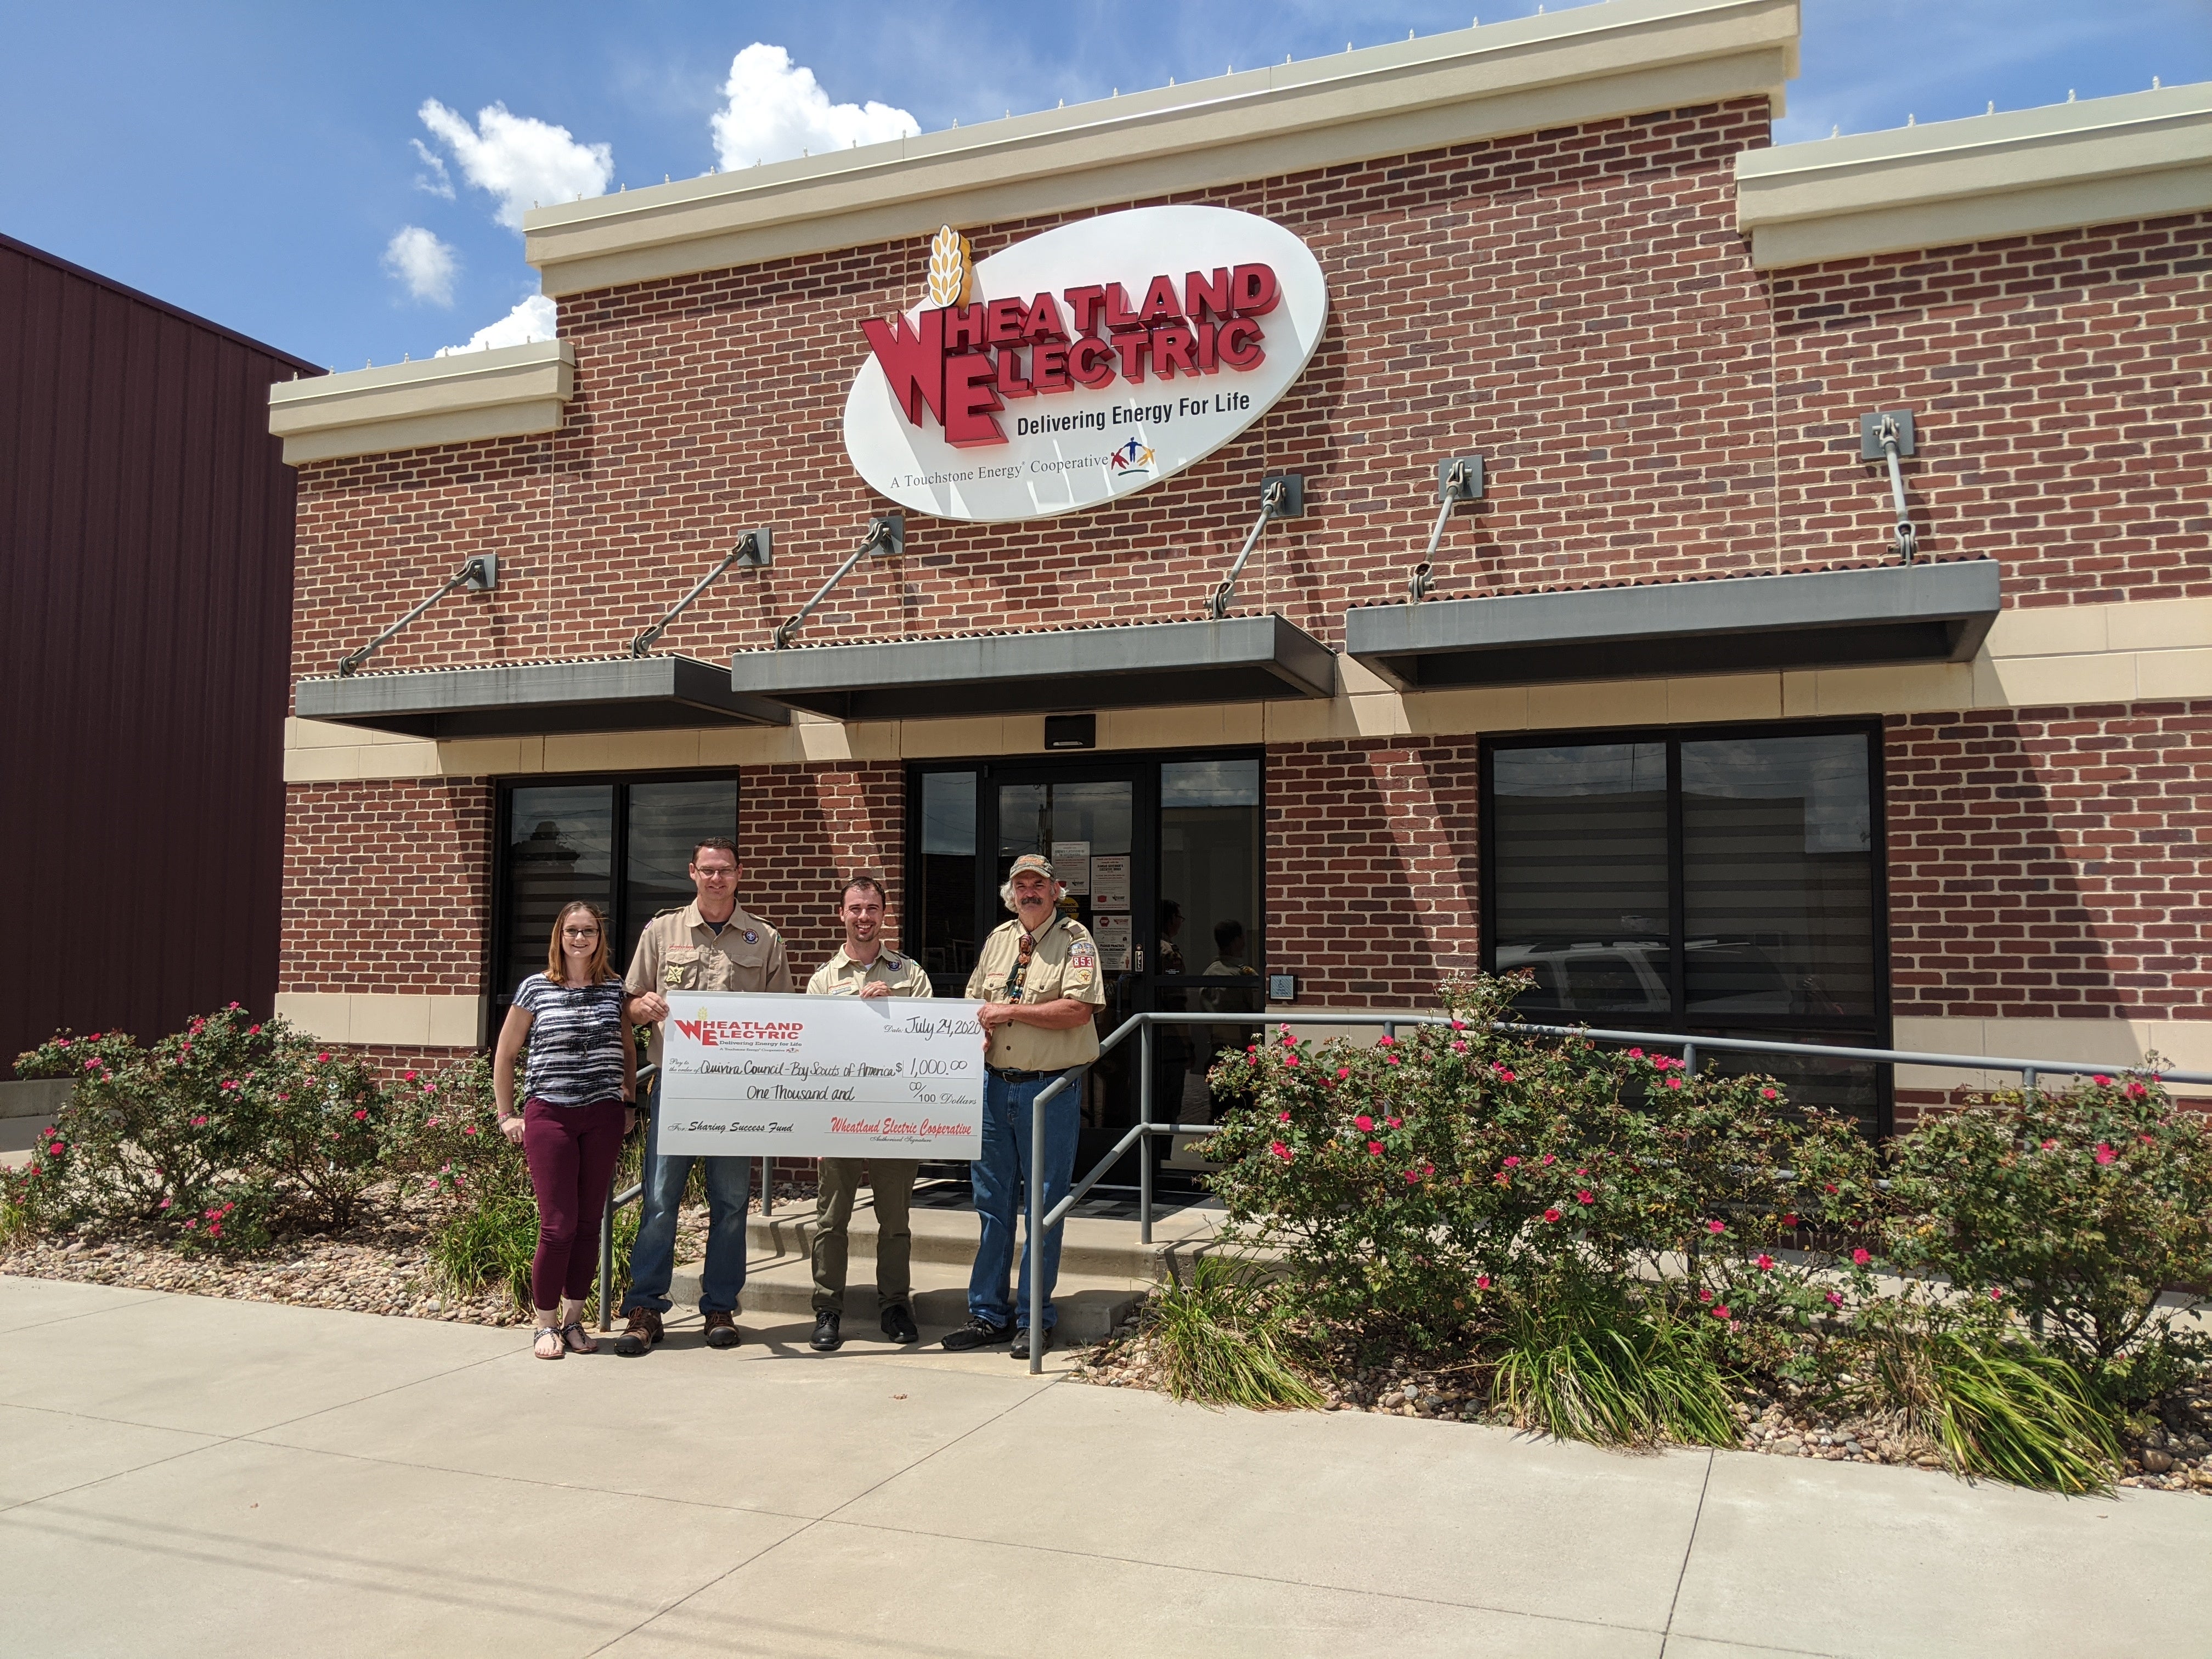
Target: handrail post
[
  {"x": 1690, "y": 1061},
  {"x": 1145, "y": 1140},
  {"x": 2028, "y": 1084},
  {"x": 606, "y": 1258},
  {"x": 768, "y": 1186},
  {"x": 1033, "y": 1243}
]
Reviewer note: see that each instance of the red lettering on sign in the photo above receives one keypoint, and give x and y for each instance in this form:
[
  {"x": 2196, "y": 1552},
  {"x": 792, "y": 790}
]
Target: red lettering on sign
[
  {"x": 1005, "y": 321},
  {"x": 1049, "y": 369},
  {"x": 1171, "y": 350},
  {"x": 1240, "y": 345},
  {"x": 1010, "y": 381},
  {"x": 969, "y": 401},
  {"x": 1160, "y": 301},
  {"x": 1209, "y": 361},
  {"x": 1084, "y": 303},
  {"x": 1207, "y": 296},
  {"x": 1134, "y": 349},
  {"x": 1254, "y": 291},
  {"x": 1092, "y": 362},
  {"x": 1118, "y": 314},
  {"x": 1042, "y": 320},
  {"x": 963, "y": 328},
  {"x": 912, "y": 356}
]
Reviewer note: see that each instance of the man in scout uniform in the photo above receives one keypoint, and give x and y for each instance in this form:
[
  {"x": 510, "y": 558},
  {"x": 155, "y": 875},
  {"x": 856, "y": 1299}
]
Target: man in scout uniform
[
  {"x": 1039, "y": 983},
  {"x": 709, "y": 945},
  {"x": 864, "y": 966}
]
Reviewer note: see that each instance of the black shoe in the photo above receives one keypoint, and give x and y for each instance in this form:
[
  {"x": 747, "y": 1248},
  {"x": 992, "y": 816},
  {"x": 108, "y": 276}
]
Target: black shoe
[
  {"x": 1021, "y": 1343},
  {"x": 898, "y": 1324},
  {"x": 639, "y": 1334},
  {"x": 722, "y": 1330},
  {"x": 826, "y": 1339},
  {"x": 977, "y": 1334}
]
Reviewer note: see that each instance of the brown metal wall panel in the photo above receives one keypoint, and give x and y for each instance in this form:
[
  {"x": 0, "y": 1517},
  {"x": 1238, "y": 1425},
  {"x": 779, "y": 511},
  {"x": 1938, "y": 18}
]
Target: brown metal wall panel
[{"x": 146, "y": 523}]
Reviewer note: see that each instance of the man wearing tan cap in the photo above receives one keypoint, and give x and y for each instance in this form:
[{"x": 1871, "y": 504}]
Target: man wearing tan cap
[{"x": 1038, "y": 981}]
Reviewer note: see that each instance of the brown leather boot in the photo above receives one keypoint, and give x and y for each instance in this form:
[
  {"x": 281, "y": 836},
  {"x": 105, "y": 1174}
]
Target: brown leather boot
[
  {"x": 721, "y": 1329},
  {"x": 639, "y": 1334}
]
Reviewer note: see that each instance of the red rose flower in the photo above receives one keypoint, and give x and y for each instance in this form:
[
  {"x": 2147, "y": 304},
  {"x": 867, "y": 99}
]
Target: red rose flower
[
  {"x": 1551, "y": 1215},
  {"x": 1860, "y": 1257}
]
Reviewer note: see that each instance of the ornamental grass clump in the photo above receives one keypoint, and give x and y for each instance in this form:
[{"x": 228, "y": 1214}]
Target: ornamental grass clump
[
  {"x": 2074, "y": 1213},
  {"x": 1586, "y": 1364},
  {"x": 1222, "y": 1341}
]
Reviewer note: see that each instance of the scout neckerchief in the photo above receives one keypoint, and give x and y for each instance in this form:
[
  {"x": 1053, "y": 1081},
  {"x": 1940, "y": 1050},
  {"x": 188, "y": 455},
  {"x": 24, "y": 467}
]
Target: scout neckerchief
[{"x": 1023, "y": 952}]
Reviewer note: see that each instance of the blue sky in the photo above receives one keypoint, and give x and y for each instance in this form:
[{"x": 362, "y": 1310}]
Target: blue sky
[{"x": 282, "y": 168}]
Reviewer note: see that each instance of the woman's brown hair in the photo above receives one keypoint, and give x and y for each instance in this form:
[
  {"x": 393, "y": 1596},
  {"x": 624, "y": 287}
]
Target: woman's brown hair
[{"x": 601, "y": 969}]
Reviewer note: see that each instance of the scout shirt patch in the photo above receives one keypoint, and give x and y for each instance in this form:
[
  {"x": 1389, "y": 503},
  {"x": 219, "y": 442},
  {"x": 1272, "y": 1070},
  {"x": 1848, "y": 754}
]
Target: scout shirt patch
[
  {"x": 678, "y": 960},
  {"x": 1082, "y": 963},
  {"x": 752, "y": 937}
]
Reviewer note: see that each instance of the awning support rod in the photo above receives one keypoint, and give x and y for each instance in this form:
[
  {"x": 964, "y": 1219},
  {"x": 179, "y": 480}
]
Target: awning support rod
[
  {"x": 886, "y": 534},
  {"x": 1283, "y": 497},
  {"x": 1885, "y": 436},
  {"x": 752, "y": 549},
  {"x": 479, "y": 573},
  {"x": 1458, "y": 480}
]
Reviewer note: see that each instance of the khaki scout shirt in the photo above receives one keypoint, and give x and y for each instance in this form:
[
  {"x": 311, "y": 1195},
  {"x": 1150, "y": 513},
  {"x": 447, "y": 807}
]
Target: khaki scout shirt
[
  {"x": 679, "y": 951},
  {"x": 1064, "y": 964},
  {"x": 841, "y": 976}
]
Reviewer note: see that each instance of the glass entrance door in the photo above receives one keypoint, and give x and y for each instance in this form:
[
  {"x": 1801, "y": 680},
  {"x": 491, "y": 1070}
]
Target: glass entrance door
[{"x": 1162, "y": 863}]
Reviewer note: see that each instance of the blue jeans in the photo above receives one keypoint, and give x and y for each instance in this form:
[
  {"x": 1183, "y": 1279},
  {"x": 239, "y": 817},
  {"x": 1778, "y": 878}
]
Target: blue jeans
[
  {"x": 653, "y": 1258},
  {"x": 999, "y": 1175}
]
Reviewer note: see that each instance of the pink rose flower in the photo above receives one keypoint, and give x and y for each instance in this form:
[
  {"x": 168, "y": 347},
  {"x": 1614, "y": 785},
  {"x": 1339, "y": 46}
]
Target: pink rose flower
[
  {"x": 1363, "y": 1123},
  {"x": 1766, "y": 1263},
  {"x": 2105, "y": 1152},
  {"x": 1482, "y": 1281},
  {"x": 1551, "y": 1215},
  {"x": 1375, "y": 1149},
  {"x": 1716, "y": 1227},
  {"x": 1860, "y": 1257}
]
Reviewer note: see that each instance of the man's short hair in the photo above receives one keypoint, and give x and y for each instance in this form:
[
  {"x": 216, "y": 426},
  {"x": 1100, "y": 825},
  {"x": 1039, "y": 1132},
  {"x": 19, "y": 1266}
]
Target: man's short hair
[
  {"x": 721, "y": 843},
  {"x": 868, "y": 882},
  {"x": 1226, "y": 934}
]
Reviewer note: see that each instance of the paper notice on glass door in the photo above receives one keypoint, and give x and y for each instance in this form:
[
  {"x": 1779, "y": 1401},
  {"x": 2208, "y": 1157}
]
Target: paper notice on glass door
[
  {"x": 1071, "y": 862},
  {"x": 1109, "y": 882},
  {"x": 1111, "y": 930}
]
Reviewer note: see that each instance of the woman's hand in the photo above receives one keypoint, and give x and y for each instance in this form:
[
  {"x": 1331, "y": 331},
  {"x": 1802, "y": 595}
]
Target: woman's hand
[{"x": 511, "y": 1127}]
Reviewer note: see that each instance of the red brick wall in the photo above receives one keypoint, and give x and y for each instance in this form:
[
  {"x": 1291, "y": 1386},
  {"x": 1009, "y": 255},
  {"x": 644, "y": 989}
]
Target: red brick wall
[
  {"x": 387, "y": 886},
  {"x": 2052, "y": 863},
  {"x": 803, "y": 829},
  {"x": 2061, "y": 386}
]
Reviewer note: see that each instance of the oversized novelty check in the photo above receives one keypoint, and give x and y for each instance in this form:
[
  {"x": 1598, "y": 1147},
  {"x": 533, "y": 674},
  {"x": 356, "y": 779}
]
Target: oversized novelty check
[{"x": 746, "y": 1076}]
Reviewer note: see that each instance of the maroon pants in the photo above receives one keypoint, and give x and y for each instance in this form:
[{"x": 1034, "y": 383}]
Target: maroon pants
[{"x": 571, "y": 1151}]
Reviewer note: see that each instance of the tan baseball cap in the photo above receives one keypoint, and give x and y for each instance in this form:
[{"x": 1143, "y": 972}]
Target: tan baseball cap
[{"x": 1037, "y": 861}]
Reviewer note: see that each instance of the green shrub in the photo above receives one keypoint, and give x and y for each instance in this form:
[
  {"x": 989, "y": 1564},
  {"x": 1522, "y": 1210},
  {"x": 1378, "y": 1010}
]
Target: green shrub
[
  {"x": 2072, "y": 1211},
  {"x": 1221, "y": 1342},
  {"x": 1415, "y": 1187},
  {"x": 1584, "y": 1363}
]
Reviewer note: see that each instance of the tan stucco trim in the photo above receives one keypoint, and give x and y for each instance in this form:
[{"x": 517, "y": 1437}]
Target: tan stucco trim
[
  {"x": 398, "y": 1020},
  {"x": 1577, "y": 64},
  {"x": 2143, "y": 155},
  {"x": 2145, "y": 651},
  {"x": 503, "y": 393},
  {"x": 2185, "y": 1045}
]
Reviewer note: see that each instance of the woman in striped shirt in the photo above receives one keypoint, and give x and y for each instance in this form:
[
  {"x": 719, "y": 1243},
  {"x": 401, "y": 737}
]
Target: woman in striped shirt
[{"x": 583, "y": 1079}]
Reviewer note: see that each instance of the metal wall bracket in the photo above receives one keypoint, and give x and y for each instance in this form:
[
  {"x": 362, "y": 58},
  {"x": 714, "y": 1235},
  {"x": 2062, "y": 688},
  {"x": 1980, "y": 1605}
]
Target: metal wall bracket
[
  {"x": 1282, "y": 496},
  {"x": 1458, "y": 479},
  {"x": 886, "y": 538},
  {"x": 1885, "y": 435},
  {"x": 753, "y": 550},
  {"x": 479, "y": 573}
]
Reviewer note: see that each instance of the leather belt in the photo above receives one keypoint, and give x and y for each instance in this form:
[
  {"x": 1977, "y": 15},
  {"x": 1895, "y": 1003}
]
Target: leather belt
[{"x": 1001, "y": 1072}]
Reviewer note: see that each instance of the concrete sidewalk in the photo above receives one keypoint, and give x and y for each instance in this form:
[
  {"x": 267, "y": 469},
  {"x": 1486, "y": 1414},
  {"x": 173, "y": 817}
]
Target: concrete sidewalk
[{"x": 185, "y": 1476}]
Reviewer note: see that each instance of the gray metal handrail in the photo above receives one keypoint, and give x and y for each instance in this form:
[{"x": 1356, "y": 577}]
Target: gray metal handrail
[{"x": 2031, "y": 1072}]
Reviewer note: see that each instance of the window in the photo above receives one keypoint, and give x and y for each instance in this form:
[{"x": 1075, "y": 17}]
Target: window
[
  {"x": 565, "y": 841},
  {"x": 1725, "y": 884}
]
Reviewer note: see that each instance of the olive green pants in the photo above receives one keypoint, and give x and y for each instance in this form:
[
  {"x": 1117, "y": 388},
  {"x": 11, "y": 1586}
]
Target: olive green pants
[{"x": 892, "y": 1181}]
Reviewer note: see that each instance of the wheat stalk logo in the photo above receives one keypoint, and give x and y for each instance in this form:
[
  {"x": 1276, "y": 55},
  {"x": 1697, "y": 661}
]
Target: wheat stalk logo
[{"x": 951, "y": 269}]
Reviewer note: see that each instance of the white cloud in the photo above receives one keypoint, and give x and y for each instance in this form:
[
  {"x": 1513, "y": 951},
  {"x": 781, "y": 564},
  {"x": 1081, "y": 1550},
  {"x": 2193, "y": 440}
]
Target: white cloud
[
  {"x": 535, "y": 319},
  {"x": 773, "y": 109},
  {"x": 519, "y": 160},
  {"x": 437, "y": 181},
  {"x": 426, "y": 266}
]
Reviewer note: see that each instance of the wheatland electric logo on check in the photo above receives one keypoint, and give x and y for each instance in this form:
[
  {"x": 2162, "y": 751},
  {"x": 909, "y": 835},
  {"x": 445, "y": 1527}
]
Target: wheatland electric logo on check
[{"x": 1220, "y": 311}]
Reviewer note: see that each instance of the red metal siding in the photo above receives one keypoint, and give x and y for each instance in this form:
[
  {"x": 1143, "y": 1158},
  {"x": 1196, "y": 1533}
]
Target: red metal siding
[{"x": 146, "y": 521}]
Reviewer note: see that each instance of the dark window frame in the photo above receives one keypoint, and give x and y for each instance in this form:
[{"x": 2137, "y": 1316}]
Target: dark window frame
[
  {"x": 1678, "y": 1020},
  {"x": 500, "y": 973}
]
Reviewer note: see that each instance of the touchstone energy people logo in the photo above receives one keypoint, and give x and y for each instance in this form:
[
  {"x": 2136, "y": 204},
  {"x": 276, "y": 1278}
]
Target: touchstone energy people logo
[{"x": 1169, "y": 330}]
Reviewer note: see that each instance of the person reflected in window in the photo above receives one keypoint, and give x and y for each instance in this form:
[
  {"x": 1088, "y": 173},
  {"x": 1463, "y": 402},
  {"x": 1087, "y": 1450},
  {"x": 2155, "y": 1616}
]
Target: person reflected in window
[
  {"x": 583, "y": 1080},
  {"x": 1229, "y": 963}
]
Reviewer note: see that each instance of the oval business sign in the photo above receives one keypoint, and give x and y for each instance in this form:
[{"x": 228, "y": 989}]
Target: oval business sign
[{"x": 1077, "y": 367}]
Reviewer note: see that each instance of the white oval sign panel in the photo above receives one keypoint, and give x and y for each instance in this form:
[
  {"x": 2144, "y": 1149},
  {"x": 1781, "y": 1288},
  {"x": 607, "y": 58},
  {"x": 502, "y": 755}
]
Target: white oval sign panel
[{"x": 1083, "y": 364}]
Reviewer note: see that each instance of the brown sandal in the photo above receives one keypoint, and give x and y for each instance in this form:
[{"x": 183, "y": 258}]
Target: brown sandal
[
  {"x": 582, "y": 1341},
  {"x": 560, "y": 1347}
]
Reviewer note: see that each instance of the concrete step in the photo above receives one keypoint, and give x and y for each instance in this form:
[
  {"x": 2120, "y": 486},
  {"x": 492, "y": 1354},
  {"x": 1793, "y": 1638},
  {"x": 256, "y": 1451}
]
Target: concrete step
[{"x": 1105, "y": 1268}]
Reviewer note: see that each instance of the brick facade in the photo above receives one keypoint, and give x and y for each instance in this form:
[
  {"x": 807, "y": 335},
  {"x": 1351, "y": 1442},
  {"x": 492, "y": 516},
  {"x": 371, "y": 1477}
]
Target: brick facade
[{"x": 1578, "y": 307}]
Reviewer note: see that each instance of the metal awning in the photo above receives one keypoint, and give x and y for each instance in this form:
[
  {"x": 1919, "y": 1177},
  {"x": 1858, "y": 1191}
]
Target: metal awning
[
  {"x": 1236, "y": 660},
  {"x": 535, "y": 699},
  {"x": 1815, "y": 618}
]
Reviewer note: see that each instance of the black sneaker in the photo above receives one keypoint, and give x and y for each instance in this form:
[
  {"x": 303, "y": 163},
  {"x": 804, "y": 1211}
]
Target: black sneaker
[
  {"x": 639, "y": 1334},
  {"x": 826, "y": 1339},
  {"x": 977, "y": 1334},
  {"x": 898, "y": 1324},
  {"x": 1021, "y": 1343}
]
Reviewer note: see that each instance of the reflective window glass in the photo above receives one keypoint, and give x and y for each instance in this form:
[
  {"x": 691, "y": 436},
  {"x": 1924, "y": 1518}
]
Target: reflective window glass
[
  {"x": 941, "y": 929},
  {"x": 560, "y": 850},
  {"x": 666, "y": 822}
]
